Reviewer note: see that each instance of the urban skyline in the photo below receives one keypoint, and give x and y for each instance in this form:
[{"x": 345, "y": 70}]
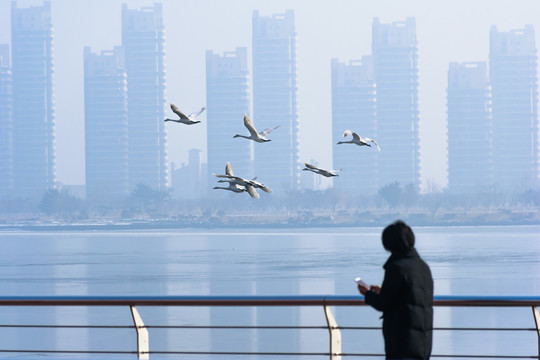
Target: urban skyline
[{"x": 332, "y": 140}]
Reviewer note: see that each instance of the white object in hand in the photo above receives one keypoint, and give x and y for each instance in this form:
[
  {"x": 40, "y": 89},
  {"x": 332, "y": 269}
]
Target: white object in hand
[{"x": 359, "y": 281}]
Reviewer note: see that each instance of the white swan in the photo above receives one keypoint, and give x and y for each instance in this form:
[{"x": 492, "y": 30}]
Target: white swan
[
  {"x": 254, "y": 135},
  {"x": 232, "y": 187},
  {"x": 235, "y": 185},
  {"x": 185, "y": 119},
  {"x": 323, "y": 172},
  {"x": 245, "y": 182},
  {"x": 248, "y": 184},
  {"x": 356, "y": 139}
]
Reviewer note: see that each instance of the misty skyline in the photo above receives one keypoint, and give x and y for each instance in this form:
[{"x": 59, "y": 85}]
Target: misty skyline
[{"x": 450, "y": 32}]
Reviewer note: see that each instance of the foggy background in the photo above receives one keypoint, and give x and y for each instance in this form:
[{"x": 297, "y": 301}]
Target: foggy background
[{"x": 446, "y": 31}]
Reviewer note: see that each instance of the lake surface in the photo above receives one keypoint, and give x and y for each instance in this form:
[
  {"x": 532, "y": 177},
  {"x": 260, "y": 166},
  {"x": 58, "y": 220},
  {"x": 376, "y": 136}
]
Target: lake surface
[{"x": 464, "y": 261}]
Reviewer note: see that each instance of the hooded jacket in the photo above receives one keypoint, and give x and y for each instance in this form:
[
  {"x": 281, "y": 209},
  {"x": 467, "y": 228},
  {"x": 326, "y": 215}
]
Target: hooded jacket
[{"x": 406, "y": 301}]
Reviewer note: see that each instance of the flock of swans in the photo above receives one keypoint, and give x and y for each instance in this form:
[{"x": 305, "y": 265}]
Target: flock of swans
[{"x": 238, "y": 184}]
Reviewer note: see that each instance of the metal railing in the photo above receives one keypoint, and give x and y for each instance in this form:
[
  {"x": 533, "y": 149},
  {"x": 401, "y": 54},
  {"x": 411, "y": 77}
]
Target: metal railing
[{"x": 335, "y": 350}]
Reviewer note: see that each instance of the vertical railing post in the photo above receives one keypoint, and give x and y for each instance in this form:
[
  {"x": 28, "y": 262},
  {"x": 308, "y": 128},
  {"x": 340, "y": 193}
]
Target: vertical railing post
[
  {"x": 536, "y": 314},
  {"x": 143, "y": 346},
  {"x": 335, "y": 334}
]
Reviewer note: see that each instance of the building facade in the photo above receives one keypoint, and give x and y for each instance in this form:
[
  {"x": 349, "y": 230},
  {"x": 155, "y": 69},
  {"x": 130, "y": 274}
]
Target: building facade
[
  {"x": 6, "y": 124},
  {"x": 106, "y": 125},
  {"x": 513, "y": 76},
  {"x": 34, "y": 151},
  {"x": 469, "y": 128},
  {"x": 395, "y": 65},
  {"x": 354, "y": 108},
  {"x": 143, "y": 40},
  {"x": 275, "y": 100},
  {"x": 227, "y": 98}
]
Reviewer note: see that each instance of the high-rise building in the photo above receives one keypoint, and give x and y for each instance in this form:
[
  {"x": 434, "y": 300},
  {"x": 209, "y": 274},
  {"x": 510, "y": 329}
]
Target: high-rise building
[
  {"x": 469, "y": 128},
  {"x": 354, "y": 108},
  {"x": 106, "y": 125},
  {"x": 227, "y": 98},
  {"x": 143, "y": 40},
  {"x": 6, "y": 124},
  {"x": 275, "y": 99},
  {"x": 33, "y": 100},
  {"x": 395, "y": 64},
  {"x": 513, "y": 76}
]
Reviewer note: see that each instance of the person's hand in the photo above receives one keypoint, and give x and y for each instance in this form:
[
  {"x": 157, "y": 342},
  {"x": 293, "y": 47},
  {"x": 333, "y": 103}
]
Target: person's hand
[
  {"x": 362, "y": 289},
  {"x": 375, "y": 288}
]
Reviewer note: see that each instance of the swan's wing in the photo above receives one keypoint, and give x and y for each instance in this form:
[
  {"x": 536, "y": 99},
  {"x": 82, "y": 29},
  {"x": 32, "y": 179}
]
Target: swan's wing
[
  {"x": 347, "y": 133},
  {"x": 177, "y": 111},
  {"x": 309, "y": 166},
  {"x": 194, "y": 115},
  {"x": 355, "y": 136},
  {"x": 227, "y": 177},
  {"x": 373, "y": 141},
  {"x": 250, "y": 127},
  {"x": 252, "y": 192},
  {"x": 228, "y": 169},
  {"x": 259, "y": 185},
  {"x": 265, "y": 132}
]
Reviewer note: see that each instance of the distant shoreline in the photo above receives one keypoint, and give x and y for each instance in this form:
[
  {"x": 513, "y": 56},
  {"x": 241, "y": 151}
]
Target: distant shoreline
[{"x": 279, "y": 222}]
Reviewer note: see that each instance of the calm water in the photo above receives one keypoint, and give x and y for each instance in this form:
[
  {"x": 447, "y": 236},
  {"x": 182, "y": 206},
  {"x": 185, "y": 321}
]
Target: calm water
[{"x": 464, "y": 261}]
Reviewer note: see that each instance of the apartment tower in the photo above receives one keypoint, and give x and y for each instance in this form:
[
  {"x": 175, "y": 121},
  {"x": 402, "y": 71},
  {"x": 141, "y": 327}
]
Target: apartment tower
[
  {"x": 143, "y": 40},
  {"x": 34, "y": 149},
  {"x": 227, "y": 98},
  {"x": 106, "y": 125},
  {"x": 469, "y": 128},
  {"x": 395, "y": 65},
  {"x": 514, "y": 86},
  {"x": 354, "y": 108},
  {"x": 6, "y": 124},
  {"x": 275, "y": 100}
]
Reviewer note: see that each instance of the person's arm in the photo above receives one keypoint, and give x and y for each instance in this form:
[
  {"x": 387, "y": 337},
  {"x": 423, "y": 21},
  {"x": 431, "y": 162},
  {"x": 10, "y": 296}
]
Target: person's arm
[{"x": 393, "y": 281}]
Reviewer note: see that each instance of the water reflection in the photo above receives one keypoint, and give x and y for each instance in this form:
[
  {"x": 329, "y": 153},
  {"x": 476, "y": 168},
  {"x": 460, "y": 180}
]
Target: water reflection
[{"x": 277, "y": 262}]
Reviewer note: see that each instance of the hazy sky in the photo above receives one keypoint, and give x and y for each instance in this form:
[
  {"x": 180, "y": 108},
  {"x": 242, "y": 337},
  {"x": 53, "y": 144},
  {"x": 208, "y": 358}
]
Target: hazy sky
[{"x": 456, "y": 30}]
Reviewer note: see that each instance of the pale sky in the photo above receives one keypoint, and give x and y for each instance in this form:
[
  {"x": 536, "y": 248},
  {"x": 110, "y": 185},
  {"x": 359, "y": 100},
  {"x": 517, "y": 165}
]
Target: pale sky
[{"x": 447, "y": 31}]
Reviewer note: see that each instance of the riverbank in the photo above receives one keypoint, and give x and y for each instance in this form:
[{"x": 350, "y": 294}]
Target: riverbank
[{"x": 296, "y": 220}]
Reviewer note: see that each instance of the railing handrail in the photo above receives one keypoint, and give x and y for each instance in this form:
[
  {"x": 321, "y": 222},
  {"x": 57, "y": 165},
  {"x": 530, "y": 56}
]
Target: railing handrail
[
  {"x": 252, "y": 300},
  {"x": 325, "y": 301}
]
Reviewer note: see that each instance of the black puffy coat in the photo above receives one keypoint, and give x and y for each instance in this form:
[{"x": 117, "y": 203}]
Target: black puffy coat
[{"x": 406, "y": 300}]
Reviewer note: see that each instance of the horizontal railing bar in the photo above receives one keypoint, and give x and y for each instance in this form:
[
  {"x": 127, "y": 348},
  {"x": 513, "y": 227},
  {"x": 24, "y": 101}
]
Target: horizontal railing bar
[
  {"x": 488, "y": 356},
  {"x": 253, "y": 327},
  {"x": 168, "y": 327},
  {"x": 252, "y": 300},
  {"x": 441, "y": 328},
  {"x": 71, "y": 326},
  {"x": 237, "y": 353},
  {"x": 482, "y": 329},
  {"x": 257, "y": 353},
  {"x": 110, "y": 352}
]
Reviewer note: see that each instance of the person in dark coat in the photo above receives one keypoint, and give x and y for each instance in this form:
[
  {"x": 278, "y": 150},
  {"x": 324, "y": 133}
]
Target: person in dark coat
[{"x": 405, "y": 297}]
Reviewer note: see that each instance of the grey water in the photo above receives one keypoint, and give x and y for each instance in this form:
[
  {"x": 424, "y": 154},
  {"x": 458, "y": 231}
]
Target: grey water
[{"x": 464, "y": 260}]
